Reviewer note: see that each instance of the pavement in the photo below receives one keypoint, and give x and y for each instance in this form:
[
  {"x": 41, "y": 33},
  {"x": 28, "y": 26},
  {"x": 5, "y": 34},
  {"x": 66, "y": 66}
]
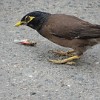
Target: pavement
[{"x": 26, "y": 74}]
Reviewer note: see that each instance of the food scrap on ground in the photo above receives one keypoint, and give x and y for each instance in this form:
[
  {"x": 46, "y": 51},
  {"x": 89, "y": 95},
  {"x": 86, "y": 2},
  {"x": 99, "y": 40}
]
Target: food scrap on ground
[{"x": 26, "y": 42}]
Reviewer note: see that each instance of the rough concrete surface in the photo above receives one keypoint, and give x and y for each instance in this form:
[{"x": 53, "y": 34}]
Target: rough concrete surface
[{"x": 25, "y": 73}]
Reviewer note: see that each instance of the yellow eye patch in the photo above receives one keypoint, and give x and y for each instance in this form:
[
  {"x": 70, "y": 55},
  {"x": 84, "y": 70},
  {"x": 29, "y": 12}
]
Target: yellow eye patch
[{"x": 29, "y": 18}]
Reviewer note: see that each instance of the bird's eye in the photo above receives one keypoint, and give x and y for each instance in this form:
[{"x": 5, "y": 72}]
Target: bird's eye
[{"x": 27, "y": 19}]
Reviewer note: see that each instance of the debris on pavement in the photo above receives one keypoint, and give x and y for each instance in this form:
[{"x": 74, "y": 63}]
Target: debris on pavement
[{"x": 26, "y": 42}]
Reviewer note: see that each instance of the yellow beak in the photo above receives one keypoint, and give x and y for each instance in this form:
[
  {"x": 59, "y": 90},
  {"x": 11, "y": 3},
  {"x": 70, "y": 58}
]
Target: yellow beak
[{"x": 18, "y": 23}]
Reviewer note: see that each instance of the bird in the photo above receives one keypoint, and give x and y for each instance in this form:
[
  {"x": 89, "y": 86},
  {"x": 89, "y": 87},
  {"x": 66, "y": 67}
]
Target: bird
[{"x": 64, "y": 30}]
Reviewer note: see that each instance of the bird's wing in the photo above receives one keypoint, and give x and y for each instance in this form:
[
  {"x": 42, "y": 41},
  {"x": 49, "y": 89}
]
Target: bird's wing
[
  {"x": 71, "y": 27},
  {"x": 92, "y": 32},
  {"x": 80, "y": 33}
]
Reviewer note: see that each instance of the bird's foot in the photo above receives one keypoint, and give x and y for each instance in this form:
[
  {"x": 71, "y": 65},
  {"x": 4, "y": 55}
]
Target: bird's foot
[
  {"x": 62, "y": 53},
  {"x": 67, "y": 60}
]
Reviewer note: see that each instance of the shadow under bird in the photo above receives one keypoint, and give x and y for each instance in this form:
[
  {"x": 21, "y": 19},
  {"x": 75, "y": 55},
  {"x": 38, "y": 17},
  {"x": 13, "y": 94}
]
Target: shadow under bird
[{"x": 64, "y": 30}]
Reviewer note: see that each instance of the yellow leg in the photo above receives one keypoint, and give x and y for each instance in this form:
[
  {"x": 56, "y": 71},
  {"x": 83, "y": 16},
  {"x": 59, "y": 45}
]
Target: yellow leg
[
  {"x": 68, "y": 60},
  {"x": 71, "y": 51},
  {"x": 62, "y": 53}
]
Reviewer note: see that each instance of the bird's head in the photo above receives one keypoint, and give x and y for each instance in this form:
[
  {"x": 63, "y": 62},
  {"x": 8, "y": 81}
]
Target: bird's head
[{"x": 34, "y": 19}]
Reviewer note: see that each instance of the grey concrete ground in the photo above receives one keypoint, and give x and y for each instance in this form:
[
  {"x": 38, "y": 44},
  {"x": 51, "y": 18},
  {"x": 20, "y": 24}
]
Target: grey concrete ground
[{"x": 25, "y": 73}]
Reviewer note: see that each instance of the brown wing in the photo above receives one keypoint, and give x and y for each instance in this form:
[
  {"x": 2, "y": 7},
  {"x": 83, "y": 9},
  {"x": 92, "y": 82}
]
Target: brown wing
[
  {"x": 70, "y": 27},
  {"x": 93, "y": 31}
]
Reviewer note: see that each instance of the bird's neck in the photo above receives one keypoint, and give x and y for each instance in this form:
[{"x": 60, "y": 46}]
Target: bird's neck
[{"x": 42, "y": 20}]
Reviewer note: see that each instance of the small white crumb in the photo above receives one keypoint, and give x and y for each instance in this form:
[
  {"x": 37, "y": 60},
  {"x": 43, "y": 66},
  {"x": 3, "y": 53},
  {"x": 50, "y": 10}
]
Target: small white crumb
[
  {"x": 97, "y": 63},
  {"x": 43, "y": 95},
  {"x": 68, "y": 85},
  {"x": 3, "y": 60},
  {"x": 56, "y": 90},
  {"x": 30, "y": 76}
]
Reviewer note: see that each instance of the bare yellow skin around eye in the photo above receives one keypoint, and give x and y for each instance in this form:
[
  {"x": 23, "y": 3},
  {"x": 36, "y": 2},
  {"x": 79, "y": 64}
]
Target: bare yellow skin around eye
[
  {"x": 30, "y": 18},
  {"x": 24, "y": 22}
]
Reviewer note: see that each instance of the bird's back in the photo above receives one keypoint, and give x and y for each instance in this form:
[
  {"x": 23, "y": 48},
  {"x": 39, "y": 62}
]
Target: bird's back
[{"x": 71, "y": 27}]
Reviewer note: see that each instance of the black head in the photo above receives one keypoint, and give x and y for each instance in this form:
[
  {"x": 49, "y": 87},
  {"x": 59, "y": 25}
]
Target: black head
[{"x": 34, "y": 19}]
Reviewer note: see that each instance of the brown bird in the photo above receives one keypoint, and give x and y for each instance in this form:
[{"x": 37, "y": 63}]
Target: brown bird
[{"x": 64, "y": 30}]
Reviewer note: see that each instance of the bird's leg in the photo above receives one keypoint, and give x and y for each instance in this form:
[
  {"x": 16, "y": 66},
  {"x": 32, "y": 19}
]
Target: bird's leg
[
  {"x": 67, "y": 60},
  {"x": 70, "y": 53},
  {"x": 62, "y": 53}
]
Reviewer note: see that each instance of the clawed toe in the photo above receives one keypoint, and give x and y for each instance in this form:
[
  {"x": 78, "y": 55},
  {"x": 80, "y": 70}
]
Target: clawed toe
[{"x": 67, "y": 60}]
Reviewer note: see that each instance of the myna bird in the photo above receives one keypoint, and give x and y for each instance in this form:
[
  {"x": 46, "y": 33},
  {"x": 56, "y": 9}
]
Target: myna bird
[{"x": 64, "y": 30}]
